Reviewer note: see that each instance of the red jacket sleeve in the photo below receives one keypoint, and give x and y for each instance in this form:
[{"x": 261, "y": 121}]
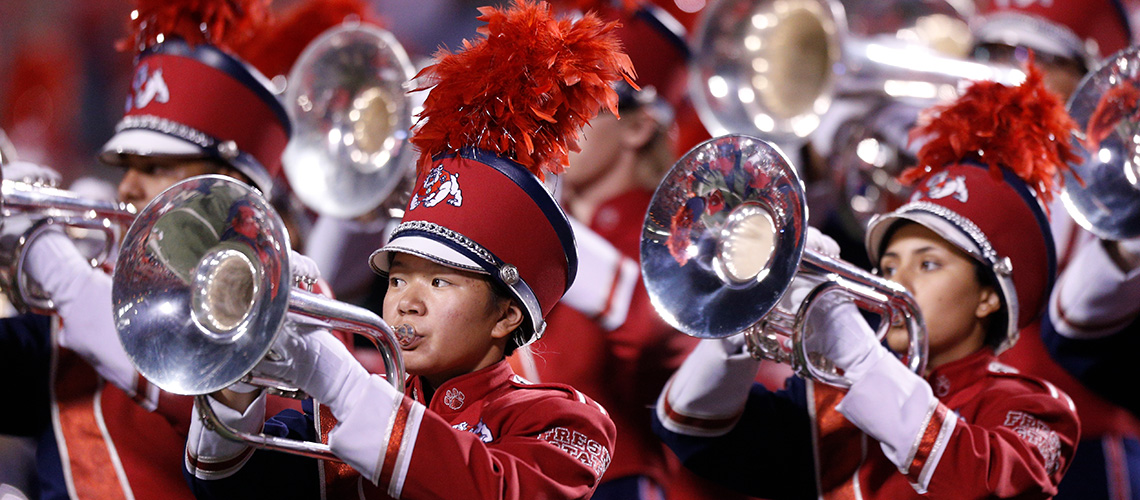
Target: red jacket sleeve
[
  {"x": 1017, "y": 444},
  {"x": 552, "y": 447}
]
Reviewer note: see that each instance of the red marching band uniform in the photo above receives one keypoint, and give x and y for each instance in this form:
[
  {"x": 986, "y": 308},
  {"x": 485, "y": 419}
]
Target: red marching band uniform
[
  {"x": 972, "y": 427},
  {"x": 479, "y": 206},
  {"x": 1107, "y": 463},
  {"x": 111, "y": 434}
]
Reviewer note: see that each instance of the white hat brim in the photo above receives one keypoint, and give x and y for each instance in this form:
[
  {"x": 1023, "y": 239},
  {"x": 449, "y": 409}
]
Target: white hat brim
[
  {"x": 423, "y": 247},
  {"x": 880, "y": 227},
  {"x": 143, "y": 142}
]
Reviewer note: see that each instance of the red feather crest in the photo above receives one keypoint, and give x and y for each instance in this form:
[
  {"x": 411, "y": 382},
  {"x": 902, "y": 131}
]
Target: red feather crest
[
  {"x": 222, "y": 23},
  {"x": 1025, "y": 129},
  {"x": 524, "y": 89}
]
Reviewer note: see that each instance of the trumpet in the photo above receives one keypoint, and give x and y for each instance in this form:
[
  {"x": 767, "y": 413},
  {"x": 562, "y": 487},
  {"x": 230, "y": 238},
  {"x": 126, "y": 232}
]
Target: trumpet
[
  {"x": 1102, "y": 192},
  {"x": 723, "y": 241},
  {"x": 43, "y": 206},
  {"x": 200, "y": 295}
]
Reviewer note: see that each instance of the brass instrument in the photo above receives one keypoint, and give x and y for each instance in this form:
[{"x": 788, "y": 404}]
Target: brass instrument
[
  {"x": 725, "y": 237},
  {"x": 40, "y": 206},
  {"x": 201, "y": 291},
  {"x": 1106, "y": 198},
  {"x": 346, "y": 96},
  {"x": 772, "y": 68}
]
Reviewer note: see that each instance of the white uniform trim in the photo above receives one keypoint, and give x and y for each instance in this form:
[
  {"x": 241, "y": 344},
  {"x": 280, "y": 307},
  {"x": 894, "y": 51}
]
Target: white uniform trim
[
  {"x": 603, "y": 289},
  {"x": 116, "y": 463},
  {"x": 404, "y": 458},
  {"x": 935, "y": 457}
]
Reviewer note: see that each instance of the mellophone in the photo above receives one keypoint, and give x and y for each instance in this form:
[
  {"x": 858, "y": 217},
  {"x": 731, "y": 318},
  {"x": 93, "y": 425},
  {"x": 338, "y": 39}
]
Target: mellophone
[{"x": 725, "y": 238}]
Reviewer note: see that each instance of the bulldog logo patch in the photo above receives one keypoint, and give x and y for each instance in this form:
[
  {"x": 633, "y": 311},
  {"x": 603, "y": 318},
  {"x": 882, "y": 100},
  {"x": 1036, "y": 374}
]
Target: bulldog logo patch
[
  {"x": 146, "y": 87},
  {"x": 439, "y": 186},
  {"x": 942, "y": 185}
]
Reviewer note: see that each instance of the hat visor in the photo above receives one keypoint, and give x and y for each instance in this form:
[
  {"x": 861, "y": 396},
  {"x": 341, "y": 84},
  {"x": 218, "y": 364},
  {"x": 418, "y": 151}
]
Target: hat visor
[
  {"x": 880, "y": 227},
  {"x": 142, "y": 142},
  {"x": 1017, "y": 31},
  {"x": 425, "y": 248}
]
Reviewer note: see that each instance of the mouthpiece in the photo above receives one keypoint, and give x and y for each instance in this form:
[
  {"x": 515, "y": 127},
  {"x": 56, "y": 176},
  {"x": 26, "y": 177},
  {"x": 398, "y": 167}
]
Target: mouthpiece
[{"x": 405, "y": 334}]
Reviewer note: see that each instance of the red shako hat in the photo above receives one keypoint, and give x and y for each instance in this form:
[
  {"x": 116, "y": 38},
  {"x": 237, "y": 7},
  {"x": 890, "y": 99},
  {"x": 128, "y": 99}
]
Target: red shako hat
[
  {"x": 502, "y": 114},
  {"x": 985, "y": 171},
  {"x": 193, "y": 97},
  {"x": 1086, "y": 31}
]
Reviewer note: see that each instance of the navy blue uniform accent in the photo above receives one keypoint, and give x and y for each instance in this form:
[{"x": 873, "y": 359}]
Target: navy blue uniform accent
[
  {"x": 769, "y": 452},
  {"x": 293, "y": 476}
]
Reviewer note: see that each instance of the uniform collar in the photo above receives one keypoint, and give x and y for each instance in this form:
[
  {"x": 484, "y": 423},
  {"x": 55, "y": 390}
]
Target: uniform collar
[
  {"x": 457, "y": 394},
  {"x": 958, "y": 374}
]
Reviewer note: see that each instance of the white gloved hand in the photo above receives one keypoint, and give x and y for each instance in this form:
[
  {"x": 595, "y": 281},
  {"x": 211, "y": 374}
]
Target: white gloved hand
[
  {"x": 711, "y": 385},
  {"x": 31, "y": 173},
  {"x": 821, "y": 243},
  {"x": 82, "y": 296},
  {"x": 802, "y": 284},
  {"x": 312, "y": 359},
  {"x": 838, "y": 332},
  {"x": 303, "y": 269}
]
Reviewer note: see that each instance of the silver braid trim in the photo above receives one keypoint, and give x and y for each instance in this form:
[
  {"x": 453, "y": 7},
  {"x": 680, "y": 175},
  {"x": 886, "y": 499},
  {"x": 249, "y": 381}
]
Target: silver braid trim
[
  {"x": 453, "y": 236},
  {"x": 151, "y": 122},
  {"x": 1001, "y": 266},
  {"x": 988, "y": 253}
]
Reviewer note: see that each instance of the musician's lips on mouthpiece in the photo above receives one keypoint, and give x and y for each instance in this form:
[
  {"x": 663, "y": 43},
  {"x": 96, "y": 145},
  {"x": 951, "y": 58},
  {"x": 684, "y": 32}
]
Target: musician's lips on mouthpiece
[{"x": 406, "y": 335}]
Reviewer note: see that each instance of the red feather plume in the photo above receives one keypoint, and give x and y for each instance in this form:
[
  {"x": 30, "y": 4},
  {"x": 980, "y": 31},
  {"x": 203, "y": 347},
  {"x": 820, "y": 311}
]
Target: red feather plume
[
  {"x": 222, "y": 23},
  {"x": 523, "y": 90},
  {"x": 1025, "y": 129},
  {"x": 274, "y": 50}
]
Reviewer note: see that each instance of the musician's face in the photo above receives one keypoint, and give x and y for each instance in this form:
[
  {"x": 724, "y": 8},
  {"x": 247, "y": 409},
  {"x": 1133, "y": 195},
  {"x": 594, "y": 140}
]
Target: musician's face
[
  {"x": 146, "y": 177},
  {"x": 954, "y": 304},
  {"x": 461, "y": 325},
  {"x": 602, "y": 144}
]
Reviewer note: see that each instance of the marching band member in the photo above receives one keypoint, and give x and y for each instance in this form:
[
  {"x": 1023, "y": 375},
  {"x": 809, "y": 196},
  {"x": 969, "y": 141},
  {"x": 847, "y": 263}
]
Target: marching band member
[
  {"x": 973, "y": 246},
  {"x": 481, "y": 257},
  {"x": 194, "y": 108},
  {"x": 621, "y": 352},
  {"x": 1093, "y": 318},
  {"x": 1069, "y": 40}
]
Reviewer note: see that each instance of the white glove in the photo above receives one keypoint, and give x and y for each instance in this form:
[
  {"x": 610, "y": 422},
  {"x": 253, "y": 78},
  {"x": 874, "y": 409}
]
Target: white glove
[
  {"x": 896, "y": 407},
  {"x": 802, "y": 284},
  {"x": 838, "y": 332},
  {"x": 82, "y": 296},
  {"x": 711, "y": 385},
  {"x": 303, "y": 269},
  {"x": 821, "y": 243},
  {"x": 210, "y": 456},
  {"x": 309, "y": 357},
  {"x": 31, "y": 173},
  {"x": 318, "y": 363}
]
